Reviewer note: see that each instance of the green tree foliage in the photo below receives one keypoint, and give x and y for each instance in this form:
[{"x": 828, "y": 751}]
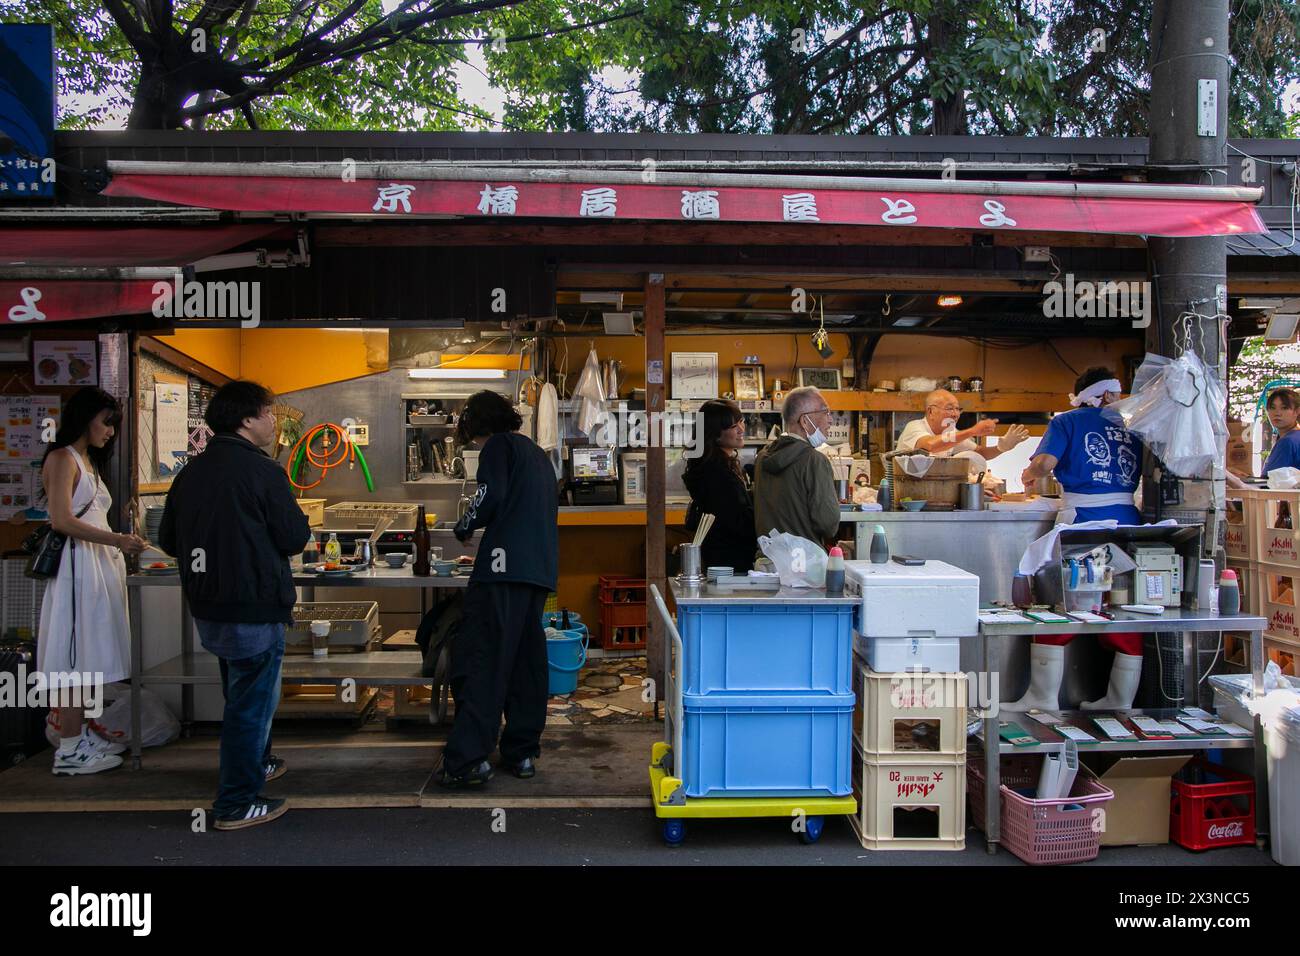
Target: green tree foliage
[
  {"x": 1024, "y": 67},
  {"x": 1029, "y": 67}
]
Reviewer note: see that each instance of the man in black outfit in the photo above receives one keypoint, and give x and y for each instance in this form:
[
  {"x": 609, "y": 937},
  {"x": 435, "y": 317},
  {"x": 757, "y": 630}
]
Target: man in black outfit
[
  {"x": 232, "y": 523},
  {"x": 498, "y": 662}
]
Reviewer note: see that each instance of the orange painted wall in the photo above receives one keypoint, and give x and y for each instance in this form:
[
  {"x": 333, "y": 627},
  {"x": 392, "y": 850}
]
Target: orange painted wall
[
  {"x": 285, "y": 360},
  {"x": 1027, "y": 368},
  {"x": 215, "y": 348}
]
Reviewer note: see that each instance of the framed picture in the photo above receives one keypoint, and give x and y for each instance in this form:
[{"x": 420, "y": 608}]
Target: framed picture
[
  {"x": 827, "y": 379},
  {"x": 747, "y": 381}
]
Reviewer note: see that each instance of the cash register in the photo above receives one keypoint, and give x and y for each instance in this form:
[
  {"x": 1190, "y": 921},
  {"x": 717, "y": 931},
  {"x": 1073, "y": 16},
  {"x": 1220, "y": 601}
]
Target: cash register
[{"x": 593, "y": 475}]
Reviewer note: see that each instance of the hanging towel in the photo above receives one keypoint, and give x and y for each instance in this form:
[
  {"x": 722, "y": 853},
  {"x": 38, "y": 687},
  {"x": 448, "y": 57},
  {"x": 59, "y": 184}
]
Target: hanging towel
[{"x": 548, "y": 418}]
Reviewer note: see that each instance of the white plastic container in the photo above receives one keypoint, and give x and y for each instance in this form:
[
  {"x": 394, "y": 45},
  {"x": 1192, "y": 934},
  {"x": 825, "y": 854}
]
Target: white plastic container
[
  {"x": 893, "y": 655},
  {"x": 930, "y": 600},
  {"x": 1282, "y": 740}
]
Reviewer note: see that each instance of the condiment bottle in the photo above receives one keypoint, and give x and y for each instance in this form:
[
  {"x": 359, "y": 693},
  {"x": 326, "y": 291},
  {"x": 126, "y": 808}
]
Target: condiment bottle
[
  {"x": 1229, "y": 593},
  {"x": 879, "y": 546},
  {"x": 835, "y": 572},
  {"x": 333, "y": 550},
  {"x": 421, "y": 567},
  {"x": 311, "y": 553}
]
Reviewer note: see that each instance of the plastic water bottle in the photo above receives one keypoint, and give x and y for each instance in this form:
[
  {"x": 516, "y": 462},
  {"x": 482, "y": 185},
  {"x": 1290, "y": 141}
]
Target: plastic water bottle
[
  {"x": 835, "y": 572},
  {"x": 1229, "y": 594},
  {"x": 879, "y": 546}
]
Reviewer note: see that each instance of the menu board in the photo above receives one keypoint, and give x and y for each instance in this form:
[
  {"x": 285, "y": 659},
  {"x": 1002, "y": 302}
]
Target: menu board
[
  {"x": 21, "y": 418},
  {"x": 171, "y": 426},
  {"x": 62, "y": 362}
]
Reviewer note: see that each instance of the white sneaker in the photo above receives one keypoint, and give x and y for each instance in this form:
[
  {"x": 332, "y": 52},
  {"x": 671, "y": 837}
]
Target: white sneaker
[
  {"x": 84, "y": 759},
  {"x": 102, "y": 744}
]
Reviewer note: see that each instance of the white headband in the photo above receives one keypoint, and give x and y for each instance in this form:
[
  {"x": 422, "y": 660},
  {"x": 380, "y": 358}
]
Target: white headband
[{"x": 1093, "y": 393}]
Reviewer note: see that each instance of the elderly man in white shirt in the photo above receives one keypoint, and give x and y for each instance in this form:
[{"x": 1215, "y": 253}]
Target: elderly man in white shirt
[{"x": 936, "y": 434}]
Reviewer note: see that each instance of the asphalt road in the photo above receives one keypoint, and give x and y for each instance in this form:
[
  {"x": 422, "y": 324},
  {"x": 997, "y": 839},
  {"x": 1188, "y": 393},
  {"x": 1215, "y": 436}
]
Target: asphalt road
[{"x": 418, "y": 837}]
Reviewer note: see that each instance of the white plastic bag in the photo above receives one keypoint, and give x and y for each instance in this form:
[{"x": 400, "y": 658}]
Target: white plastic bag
[
  {"x": 590, "y": 390},
  {"x": 1283, "y": 479},
  {"x": 158, "y": 725},
  {"x": 1178, "y": 407},
  {"x": 800, "y": 563}
]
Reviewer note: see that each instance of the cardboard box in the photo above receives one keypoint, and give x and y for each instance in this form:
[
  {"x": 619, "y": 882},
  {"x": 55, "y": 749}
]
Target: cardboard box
[
  {"x": 1139, "y": 814},
  {"x": 1238, "y": 452}
]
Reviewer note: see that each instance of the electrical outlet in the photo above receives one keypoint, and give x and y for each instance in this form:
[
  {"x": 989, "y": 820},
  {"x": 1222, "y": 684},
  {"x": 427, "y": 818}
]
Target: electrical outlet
[{"x": 1038, "y": 254}]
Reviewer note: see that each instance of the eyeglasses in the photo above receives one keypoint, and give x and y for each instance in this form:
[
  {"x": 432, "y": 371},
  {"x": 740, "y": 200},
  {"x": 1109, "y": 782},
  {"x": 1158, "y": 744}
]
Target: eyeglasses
[{"x": 954, "y": 407}]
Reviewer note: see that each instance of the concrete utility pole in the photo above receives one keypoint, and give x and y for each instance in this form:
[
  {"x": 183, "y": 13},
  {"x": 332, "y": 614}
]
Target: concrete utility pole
[{"x": 1189, "y": 120}]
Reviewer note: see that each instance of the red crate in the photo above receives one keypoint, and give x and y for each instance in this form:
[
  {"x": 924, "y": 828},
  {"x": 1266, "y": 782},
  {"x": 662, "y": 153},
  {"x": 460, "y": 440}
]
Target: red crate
[
  {"x": 622, "y": 626},
  {"x": 1221, "y": 812},
  {"x": 620, "y": 590}
]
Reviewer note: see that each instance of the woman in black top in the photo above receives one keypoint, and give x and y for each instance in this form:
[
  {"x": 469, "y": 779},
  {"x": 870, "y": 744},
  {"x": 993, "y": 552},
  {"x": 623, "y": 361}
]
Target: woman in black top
[{"x": 718, "y": 487}]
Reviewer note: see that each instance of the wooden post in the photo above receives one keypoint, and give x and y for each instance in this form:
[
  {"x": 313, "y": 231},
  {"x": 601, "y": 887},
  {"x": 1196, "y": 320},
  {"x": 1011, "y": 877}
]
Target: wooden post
[{"x": 655, "y": 516}]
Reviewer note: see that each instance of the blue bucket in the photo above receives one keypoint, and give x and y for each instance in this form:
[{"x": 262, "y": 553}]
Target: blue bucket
[
  {"x": 553, "y": 618},
  {"x": 566, "y": 652}
]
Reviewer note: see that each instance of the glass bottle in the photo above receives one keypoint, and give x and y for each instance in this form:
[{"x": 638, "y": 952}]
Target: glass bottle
[{"x": 422, "y": 567}]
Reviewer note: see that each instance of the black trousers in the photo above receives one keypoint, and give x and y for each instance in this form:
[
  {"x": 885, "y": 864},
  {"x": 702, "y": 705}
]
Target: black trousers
[{"x": 498, "y": 665}]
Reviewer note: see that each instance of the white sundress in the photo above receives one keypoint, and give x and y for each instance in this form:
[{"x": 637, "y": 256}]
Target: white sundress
[{"x": 101, "y": 644}]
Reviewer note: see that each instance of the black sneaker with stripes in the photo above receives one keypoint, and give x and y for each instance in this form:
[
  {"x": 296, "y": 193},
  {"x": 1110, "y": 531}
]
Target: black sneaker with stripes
[
  {"x": 275, "y": 767},
  {"x": 261, "y": 810}
]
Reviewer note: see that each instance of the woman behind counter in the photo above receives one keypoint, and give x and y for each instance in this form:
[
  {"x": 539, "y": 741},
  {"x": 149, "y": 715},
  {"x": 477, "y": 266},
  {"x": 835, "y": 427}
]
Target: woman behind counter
[
  {"x": 1283, "y": 409},
  {"x": 717, "y": 486}
]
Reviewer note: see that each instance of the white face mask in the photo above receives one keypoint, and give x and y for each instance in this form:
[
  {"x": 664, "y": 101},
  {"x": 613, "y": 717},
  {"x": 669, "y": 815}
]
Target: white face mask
[{"x": 816, "y": 438}]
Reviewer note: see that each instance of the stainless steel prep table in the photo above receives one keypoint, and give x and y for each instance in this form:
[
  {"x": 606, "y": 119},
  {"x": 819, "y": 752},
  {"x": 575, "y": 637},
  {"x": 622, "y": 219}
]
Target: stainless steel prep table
[
  {"x": 385, "y": 667},
  {"x": 1187, "y": 623}
]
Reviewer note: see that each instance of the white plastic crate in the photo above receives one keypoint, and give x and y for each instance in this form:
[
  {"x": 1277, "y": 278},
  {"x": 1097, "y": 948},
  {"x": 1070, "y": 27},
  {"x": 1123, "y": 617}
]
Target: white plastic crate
[
  {"x": 937, "y": 655},
  {"x": 910, "y": 806},
  {"x": 20, "y": 600},
  {"x": 907, "y": 716}
]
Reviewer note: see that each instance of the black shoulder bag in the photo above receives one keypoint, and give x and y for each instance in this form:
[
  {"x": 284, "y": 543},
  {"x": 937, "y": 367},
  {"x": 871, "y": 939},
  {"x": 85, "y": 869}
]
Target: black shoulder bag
[{"x": 45, "y": 545}]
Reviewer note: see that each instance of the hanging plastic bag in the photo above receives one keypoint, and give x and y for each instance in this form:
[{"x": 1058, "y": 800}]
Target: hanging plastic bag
[
  {"x": 158, "y": 725},
  {"x": 800, "y": 563},
  {"x": 591, "y": 393},
  {"x": 1178, "y": 408}
]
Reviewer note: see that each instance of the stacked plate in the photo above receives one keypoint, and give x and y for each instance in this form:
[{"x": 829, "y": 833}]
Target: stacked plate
[{"x": 152, "y": 522}]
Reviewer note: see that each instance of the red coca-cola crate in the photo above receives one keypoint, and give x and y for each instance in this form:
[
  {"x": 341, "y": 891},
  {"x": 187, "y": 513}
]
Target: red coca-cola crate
[{"x": 1211, "y": 806}]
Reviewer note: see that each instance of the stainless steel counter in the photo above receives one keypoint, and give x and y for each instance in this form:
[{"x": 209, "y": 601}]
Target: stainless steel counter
[
  {"x": 988, "y": 544},
  {"x": 709, "y": 594}
]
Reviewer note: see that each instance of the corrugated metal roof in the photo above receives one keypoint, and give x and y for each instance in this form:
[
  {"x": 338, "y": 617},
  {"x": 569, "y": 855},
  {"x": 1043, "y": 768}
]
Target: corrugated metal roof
[{"x": 1275, "y": 242}]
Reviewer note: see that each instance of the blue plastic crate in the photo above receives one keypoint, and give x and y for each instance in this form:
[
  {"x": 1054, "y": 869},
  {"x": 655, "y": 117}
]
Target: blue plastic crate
[
  {"x": 767, "y": 745},
  {"x": 759, "y": 649}
]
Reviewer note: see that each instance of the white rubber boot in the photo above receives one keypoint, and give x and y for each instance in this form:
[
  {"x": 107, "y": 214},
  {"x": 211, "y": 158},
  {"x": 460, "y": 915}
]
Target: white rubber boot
[
  {"x": 1046, "y": 664},
  {"x": 1124, "y": 676}
]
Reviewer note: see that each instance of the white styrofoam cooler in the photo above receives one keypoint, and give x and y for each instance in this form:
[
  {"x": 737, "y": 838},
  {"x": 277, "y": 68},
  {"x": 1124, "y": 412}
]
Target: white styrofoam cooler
[
  {"x": 890, "y": 655},
  {"x": 930, "y": 600}
]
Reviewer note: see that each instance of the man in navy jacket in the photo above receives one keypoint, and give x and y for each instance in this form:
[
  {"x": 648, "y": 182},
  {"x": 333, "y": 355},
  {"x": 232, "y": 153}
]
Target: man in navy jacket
[{"x": 498, "y": 661}]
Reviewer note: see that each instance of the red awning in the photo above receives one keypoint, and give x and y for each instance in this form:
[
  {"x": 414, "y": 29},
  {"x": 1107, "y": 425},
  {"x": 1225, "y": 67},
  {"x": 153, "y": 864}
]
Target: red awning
[
  {"x": 108, "y": 246},
  {"x": 397, "y": 190},
  {"x": 33, "y": 302}
]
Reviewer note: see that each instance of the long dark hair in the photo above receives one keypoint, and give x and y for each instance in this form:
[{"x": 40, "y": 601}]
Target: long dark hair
[
  {"x": 78, "y": 413},
  {"x": 718, "y": 415}
]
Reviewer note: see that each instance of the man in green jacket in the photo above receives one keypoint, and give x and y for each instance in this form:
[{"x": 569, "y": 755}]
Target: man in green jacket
[{"x": 794, "y": 486}]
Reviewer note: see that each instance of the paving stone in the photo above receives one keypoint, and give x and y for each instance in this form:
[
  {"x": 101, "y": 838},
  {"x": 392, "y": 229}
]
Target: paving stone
[
  {"x": 604, "y": 712},
  {"x": 558, "y": 722},
  {"x": 594, "y": 703},
  {"x": 603, "y": 681}
]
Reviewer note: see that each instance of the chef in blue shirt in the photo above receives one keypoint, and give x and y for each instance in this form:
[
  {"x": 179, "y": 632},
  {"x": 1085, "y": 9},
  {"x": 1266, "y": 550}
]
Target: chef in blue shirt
[
  {"x": 1097, "y": 462},
  {"x": 1283, "y": 408}
]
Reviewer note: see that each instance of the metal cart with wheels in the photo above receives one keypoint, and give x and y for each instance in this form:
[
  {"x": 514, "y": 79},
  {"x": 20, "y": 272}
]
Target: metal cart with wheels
[{"x": 667, "y": 789}]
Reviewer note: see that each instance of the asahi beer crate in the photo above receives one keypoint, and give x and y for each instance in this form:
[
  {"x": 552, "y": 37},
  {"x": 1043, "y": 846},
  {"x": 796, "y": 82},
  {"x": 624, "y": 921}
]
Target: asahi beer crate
[
  {"x": 1276, "y": 588},
  {"x": 1275, "y": 539}
]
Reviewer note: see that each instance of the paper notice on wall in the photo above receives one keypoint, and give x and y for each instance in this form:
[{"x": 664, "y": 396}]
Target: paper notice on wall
[
  {"x": 171, "y": 427},
  {"x": 65, "y": 362},
  {"x": 27, "y": 422},
  {"x": 112, "y": 349},
  {"x": 17, "y": 482}
]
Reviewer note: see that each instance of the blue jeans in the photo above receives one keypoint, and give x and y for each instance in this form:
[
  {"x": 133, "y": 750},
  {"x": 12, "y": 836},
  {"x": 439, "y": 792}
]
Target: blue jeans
[{"x": 251, "y": 686}]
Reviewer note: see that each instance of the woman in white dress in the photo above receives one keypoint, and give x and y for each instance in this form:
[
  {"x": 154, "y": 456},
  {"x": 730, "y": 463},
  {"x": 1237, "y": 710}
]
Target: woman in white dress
[{"x": 84, "y": 636}]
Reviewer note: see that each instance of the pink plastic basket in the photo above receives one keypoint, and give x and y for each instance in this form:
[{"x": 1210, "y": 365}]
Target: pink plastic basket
[
  {"x": 1017, "y": 770},
  {"x": 1046, "y": 832}
]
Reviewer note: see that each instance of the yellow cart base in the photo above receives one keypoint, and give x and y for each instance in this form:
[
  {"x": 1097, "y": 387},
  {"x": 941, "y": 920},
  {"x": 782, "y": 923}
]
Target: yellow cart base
[{"x": 674, "y": 807}]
